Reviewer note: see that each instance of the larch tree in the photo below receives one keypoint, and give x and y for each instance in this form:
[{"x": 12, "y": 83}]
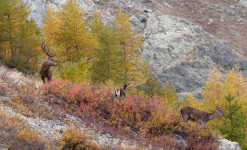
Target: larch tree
[
  {"x": 14, "y": 14},
  {"x": 96, "y": 24},
  {"x": 50, "y": 27},
  {"x": 73, "y": 35},
  {"x": 212, "y": 92},
  {"x": 130, "y": 42},
  {"x": 30, "y": 44},
  {"x": 218, "y": 87},
  {"x": 106, "y": 66},
  {"x": 108, "y": 61},
  {"x": 19, "y": 36}
]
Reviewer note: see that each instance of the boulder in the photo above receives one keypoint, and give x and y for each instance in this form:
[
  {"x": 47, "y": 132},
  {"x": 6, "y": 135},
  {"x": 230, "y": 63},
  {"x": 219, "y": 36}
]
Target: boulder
[{"x": 225, "y": 144}]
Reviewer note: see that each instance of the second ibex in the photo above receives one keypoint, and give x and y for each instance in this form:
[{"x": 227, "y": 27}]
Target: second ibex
[{"x": 193, "y": 114}]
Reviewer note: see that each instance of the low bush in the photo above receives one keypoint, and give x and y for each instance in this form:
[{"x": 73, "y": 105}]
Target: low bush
[
  {"x": 74, "y": 71},
  {"x": 75, "y": 139},
  {"x": 148, "y": 117}
]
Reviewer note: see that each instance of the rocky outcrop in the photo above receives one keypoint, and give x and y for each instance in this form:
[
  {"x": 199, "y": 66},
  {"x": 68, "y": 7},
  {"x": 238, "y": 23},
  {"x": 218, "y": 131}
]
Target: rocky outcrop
[
  {"x": 181, "y": 53},
  {"x": 38, "y": 7},
  {"x": 225, "y": 144},
  {"x": 38, "y": 10},
  {"x": 244, "y": 2}
]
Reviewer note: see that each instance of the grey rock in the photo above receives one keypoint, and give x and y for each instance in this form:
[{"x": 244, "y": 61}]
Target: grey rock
[
  {"x": 182, "y": 54},
  {"x": 38, "y": 7},
  {"x": 244, "y": 2},
  {"x": 199, "y": 30},
  {"x": 181, "y": 142},
  {"x": 148, "y": 10},
  {"x": 232, "y": 7},
  {"x": 38, "y": 10},
  {"x": 96, "y": 1},
  {"x": 6, "y": 100},
  {"x": 167, "y": 4},
  {"x": 138, "y": 21},
  {"x": 225, "y": 144}
]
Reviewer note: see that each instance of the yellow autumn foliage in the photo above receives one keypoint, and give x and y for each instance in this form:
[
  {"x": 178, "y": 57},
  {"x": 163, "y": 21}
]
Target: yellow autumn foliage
[
  {"x": 219, "y": 86},
  {"x": 73, "y": 138}
]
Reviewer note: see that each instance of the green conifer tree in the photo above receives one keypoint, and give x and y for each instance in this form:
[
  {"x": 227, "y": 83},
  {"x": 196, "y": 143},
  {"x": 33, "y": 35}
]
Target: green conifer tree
[
  {"x": 107, "y": 65},
  {"x": 132, "y": 63},
  {"x": 233, "y": 126}
]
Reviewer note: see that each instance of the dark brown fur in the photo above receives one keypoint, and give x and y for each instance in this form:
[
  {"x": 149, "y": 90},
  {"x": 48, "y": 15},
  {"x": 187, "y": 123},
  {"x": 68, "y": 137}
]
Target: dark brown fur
[{"x": 45, "y": 68}]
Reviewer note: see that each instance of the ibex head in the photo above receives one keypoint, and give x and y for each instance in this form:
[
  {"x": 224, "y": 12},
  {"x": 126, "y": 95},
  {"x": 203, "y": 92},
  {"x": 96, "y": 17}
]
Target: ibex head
[{"x": 218, "y": 111}]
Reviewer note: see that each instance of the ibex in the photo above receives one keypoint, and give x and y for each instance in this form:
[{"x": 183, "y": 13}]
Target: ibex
[
  {"x": 120, "y": 92},
  {"x": 45, "y": 68},
  {"x": 190, "y": 113}
]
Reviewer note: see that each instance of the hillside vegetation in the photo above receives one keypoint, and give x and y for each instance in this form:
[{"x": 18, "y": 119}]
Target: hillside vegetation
[{"x": 93, "y": 59}]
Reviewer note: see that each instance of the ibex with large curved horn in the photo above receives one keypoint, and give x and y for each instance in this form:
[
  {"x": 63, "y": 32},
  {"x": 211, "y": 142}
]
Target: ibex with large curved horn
[
  {"x": 190, "y": 113},
  {"x": 45, "y": 68}
]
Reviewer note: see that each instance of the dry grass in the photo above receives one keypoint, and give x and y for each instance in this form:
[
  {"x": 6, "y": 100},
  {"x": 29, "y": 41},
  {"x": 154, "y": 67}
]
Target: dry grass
[{"x": 15, "y": 133}]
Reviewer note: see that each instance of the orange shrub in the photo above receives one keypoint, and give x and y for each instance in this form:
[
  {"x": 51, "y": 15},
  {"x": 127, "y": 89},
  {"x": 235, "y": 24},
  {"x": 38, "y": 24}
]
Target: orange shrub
[{"x": 73, "y": 138}]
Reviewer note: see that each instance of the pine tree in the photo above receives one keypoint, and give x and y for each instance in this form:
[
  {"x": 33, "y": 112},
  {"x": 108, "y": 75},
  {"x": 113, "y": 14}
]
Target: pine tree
[
  {"x": 132, "y": 64},
  {"x": 234, "y": 121}
]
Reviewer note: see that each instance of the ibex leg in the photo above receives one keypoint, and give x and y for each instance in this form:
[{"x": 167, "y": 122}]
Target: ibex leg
[
  {"x": 203, "y": 124},
  {"x": 49, "y": 78},
  {"x": 185, "y": 117},
  {"x": 43, "y": 79}
]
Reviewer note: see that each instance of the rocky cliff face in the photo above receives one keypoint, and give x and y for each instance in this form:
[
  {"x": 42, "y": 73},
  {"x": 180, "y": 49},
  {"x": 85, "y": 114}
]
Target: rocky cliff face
[
  {"x": 182, "y": 53},
  {"x": 179, "y": 52}
]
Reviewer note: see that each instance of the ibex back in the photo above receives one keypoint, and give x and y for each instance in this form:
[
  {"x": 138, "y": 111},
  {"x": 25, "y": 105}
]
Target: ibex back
[
  {"x": 45, "y": 68},
  {"x": 193, "y": 114}
]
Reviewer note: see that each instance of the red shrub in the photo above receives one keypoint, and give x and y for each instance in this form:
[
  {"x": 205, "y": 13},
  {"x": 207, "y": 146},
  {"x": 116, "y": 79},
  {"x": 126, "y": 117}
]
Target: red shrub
[{"x": 148, "y": 117}]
